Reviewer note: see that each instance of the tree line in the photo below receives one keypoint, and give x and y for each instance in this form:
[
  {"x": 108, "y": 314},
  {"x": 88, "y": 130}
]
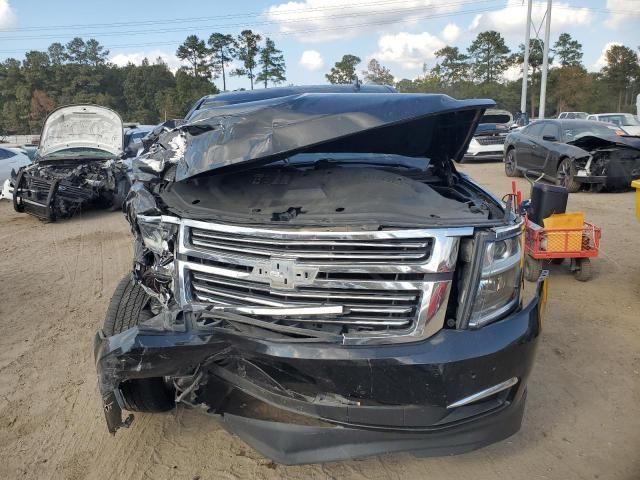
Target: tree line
[
  {"x": 479, "y": 72},
  {"x": 79, "y": 72}
]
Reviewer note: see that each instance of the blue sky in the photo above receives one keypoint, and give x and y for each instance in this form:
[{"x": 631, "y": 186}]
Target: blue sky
[{"x": 313, "y": 34}]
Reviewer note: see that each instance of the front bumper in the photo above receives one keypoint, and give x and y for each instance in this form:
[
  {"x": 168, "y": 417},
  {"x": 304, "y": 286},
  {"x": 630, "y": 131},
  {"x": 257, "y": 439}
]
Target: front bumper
[
  {"x": 484, "y": 152},
  {"x": 339, "y": 402}
]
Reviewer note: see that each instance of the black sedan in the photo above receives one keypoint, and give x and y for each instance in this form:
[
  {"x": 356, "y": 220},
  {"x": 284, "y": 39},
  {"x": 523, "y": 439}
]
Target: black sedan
[{"x": 574, "y": 153}]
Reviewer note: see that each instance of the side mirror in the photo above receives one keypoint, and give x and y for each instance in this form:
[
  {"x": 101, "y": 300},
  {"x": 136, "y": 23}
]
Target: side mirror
[{"x": 549, "y": 138}]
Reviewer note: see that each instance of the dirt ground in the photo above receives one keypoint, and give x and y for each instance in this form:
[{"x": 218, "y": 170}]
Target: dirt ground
[{"x": 582, "y": 419}]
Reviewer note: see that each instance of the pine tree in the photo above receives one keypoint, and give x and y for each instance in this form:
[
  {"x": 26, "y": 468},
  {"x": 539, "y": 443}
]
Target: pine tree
[
  {"x": 272, "y": 67},
  {"x": 224, "y": 50},
  {"x": 344, "y": 71},
  {"x": 248, "y": 50}
]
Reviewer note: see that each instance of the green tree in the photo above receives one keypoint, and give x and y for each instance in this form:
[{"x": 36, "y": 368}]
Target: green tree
[
  {"x": 194, "y": 51},
  {"x": 248, "y": 50},
  {"x": 95, "y": 53},
  {"x": 568, "y": 51},
  {"x": 140, "y": 89},
  {"x": 223, "y": 50},
  {"x": 377, "y": 73},
  {"x": 76, "y": 51},
  {"x": 569, "y": 88},
  {"x": 490, "y": 56},
  {"x": 344, "y": 71},
  {"x": 36, "y": 69},
  {"x": 272, "y": 67},
  {"x": 621, "y": 70},
  {"x": 57, "y": 53},
  {"x": 453, "y": 67}
]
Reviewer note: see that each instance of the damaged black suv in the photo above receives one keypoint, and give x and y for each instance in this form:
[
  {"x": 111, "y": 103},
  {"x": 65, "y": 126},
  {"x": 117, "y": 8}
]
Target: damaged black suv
[
  {"x": 78, "y": 164},
  {"x": 313, "y": 271}
]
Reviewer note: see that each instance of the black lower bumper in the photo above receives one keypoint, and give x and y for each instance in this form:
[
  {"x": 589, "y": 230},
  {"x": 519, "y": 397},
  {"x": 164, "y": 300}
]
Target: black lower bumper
[
  {"x": 364, "y": 400},
  {"x": 299, "y": 444}
]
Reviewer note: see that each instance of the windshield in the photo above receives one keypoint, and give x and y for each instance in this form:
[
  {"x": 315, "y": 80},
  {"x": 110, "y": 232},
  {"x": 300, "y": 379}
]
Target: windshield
[
  {"x": 385, "y": 160},
  {"x": 80, "y": 152},
  {"x": 622, "y": 119},
  {"x": 575, "y": 115},
  {"x": 573, "y": 133}
]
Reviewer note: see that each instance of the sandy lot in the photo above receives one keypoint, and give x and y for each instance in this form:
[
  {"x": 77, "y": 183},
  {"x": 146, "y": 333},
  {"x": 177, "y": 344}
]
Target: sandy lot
[{"x": 582, "y": 418}]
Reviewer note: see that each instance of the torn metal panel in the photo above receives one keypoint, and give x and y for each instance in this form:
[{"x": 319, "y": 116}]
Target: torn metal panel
[{"x": 418, "y": 125}]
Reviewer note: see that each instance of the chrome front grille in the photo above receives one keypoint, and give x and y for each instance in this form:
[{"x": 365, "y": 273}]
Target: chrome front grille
[
  {"x": 368, "y": 286},
  {"x": 491, "y": 140}
]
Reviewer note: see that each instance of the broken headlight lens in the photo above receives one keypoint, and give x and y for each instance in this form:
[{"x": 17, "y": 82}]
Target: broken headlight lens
[
  {"x": 498, "y": 289},
  {"x": 156, "y": 235}
]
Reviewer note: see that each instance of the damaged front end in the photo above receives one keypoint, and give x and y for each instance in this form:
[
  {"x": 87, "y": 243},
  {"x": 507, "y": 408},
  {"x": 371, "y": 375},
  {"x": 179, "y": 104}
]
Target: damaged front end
[
  {"x": 320, "y": 302},
  {"x": 78, "y": 164},
  {"x": 59, "y": 190},
  {"x": 611, "y": 163}
]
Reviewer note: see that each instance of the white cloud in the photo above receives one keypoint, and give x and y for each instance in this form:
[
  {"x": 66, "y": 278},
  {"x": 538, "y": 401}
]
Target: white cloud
[
  {"x": 7, "y": 15},
  {"x": 324, "y": 20},
  {"x": 136, "y": 58},
  {"x": 510, "y": 21},
  {"x": 622, "y": 11},
  {"x": 451, "y": 33},
  {"x": 602, "y": 59},
  {"x": 410, "y": 50},
  {"x": 311, "y": 60}
]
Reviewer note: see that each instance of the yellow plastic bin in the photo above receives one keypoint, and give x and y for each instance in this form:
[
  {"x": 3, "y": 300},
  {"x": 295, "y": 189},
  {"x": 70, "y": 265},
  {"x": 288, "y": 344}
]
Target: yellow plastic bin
[
  {"x": 636, "y": 184},
  {"x": 562, "y": 240}
]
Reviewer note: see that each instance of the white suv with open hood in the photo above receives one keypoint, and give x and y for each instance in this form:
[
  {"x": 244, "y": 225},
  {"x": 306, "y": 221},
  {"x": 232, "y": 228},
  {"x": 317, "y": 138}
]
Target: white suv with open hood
[{"x": 78, "y": 164}]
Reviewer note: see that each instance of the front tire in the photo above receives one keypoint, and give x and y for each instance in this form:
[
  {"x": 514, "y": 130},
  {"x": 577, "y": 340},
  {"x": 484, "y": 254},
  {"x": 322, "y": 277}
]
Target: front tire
[
  {"x": 532, "y": 268},
  {"x": 129, "y": 306},
  {"x": 567, "y": 175},
  {"x": 510, "y": 164},
  {"x": 584, "y": 273}
]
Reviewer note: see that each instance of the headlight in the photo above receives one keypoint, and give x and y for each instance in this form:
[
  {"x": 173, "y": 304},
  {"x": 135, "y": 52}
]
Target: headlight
[
  {"x": 157, "y": 235},
  {"x": 493, "y": 287}
]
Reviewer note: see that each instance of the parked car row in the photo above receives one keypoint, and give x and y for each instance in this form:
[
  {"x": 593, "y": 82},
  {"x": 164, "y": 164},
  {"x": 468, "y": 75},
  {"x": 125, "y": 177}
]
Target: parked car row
[
  {"x": 577, "y": 150},
  {"x": 574, "y": 153}
]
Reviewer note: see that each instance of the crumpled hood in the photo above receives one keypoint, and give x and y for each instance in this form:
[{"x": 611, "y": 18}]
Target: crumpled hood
[
  {"x": 81, "y": 126},
  {"x": 590, "y": 142},
  {"x": 416, "y": 125}
]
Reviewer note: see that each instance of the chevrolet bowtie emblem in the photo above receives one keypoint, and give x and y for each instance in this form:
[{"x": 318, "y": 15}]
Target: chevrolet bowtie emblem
[{"x": 284, "y": 273}]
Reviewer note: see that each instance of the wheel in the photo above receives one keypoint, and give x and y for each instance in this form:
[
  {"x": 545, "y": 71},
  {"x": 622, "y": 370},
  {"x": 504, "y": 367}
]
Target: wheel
[
  {"x": 584, "y": 272},
  {"x": 557, "y": 261},
  {"x": 129, "y": 307},
  {"x": 510, "y": 164},
  {"x": 532, "y": 268},
  {"x": 566, "y": 175}
]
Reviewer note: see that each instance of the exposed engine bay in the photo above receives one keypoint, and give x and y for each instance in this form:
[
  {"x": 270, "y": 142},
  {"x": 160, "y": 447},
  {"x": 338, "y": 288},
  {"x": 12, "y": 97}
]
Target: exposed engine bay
[
  {"x": 327, "y": 195},
  {"x": 57, "y": 190}
]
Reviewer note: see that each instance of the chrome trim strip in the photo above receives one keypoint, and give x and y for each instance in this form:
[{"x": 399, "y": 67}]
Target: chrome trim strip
[
  {"x": 284, "y": 311},
  {"x": 485, "y": 393},
  {"x": 336, "y": 234}
]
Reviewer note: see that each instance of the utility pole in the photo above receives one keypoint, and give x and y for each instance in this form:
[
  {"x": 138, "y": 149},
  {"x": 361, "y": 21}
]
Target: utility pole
[
  {"x": 545, "y": 61},
  {"x": 525, "y": 65}
]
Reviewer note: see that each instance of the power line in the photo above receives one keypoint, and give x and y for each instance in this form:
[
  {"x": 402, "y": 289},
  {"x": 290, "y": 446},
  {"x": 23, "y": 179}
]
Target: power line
[
  {"x": 253, "y": 24},
  {"x": 216, "y": 17},
  {"x": 340, "y": 27}
]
